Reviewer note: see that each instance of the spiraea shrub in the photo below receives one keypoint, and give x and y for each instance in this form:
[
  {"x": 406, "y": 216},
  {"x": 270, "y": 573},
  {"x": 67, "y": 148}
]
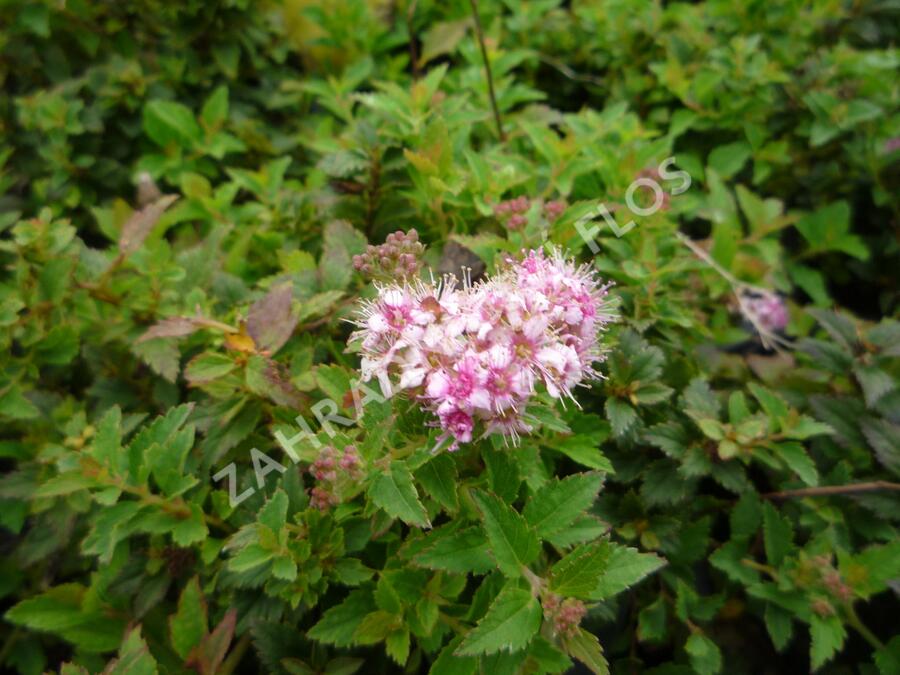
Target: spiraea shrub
[{"x": 450, "y": 338}]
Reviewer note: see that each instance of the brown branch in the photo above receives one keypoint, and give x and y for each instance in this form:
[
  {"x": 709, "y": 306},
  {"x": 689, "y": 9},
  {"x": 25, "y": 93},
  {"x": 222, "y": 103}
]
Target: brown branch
[
  {"x": 827, "y": 490},
  {"x": 487, "y": 69}
]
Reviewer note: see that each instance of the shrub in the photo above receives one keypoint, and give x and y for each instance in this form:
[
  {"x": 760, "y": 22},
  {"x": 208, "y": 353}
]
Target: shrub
[{"x": 200, "y": 473}]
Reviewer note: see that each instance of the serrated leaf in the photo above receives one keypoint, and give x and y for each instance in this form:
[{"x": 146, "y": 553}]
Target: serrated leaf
[
  {"x": 586, "y": 648},
  {"x": 394, "y": 492},
  {"x": 459, "y": 552},
  {"x": 512, "y": 541},
  {"x": 560, "y": 502},
  {"x": 448, "y": 663},
  {"x": 579, "y": 572},
  {"x": 583, "y": 450},
  {"x": 273, "y": 514},
  {"x": 625, "y": 567},
  {"x": 620, "y": 415},
  {"x": 827, "y": 636},
  {"x": 338, "y": 625},
  {"x": 778, "y": 535},
  {"x": 798, "y": 461},
  {"x": 439, "y": 478},
  {"x": 511, "y": 621},
  {"x": 134, "y": 657}
]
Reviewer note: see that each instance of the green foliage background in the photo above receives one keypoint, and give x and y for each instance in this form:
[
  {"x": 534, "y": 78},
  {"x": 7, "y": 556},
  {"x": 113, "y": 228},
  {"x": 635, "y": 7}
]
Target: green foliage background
[{"x": 182, "y": 188}]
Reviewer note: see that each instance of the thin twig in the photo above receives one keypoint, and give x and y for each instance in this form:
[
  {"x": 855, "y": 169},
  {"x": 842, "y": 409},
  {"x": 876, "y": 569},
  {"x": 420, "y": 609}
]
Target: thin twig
[
  {"x": 826, "y": 490},
  {"x": 487, "y": 70},
  {"x": 568, "y": 72}
]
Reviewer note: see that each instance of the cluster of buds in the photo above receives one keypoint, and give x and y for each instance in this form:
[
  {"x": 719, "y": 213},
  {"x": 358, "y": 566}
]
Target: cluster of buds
[
  {"x": 563, "y": 614},
  {"x": 513, "y": 211},
  {"x": 328, "y": 468},
  {"x": 398, "y": 257},
  {"x": 818, "y": 574},
  {"x": 554, "y": 209}
]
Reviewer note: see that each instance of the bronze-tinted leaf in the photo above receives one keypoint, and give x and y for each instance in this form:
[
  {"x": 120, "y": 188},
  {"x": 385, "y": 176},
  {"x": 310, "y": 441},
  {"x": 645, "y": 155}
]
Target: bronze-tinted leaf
[
  {"x": 270, "y": 321},
  {"x": 139, "y": 225},
  {"x": 174, "y": 326}
]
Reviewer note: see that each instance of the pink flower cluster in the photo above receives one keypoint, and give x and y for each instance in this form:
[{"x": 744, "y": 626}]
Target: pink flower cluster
[
  {"x": 327, "y": 469},
  {"x": 475, "y": 356}
]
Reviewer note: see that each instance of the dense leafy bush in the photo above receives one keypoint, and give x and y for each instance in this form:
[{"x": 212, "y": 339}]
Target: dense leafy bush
[{"x": 197, "y": 479}]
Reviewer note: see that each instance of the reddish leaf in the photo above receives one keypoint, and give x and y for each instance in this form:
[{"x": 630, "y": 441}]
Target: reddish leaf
[
  {"x": 270, "y": 322},
  {"x": 175, "y": 326},
  {"x": 210, "y": 653},
  {"x": 136, "y": 228}
]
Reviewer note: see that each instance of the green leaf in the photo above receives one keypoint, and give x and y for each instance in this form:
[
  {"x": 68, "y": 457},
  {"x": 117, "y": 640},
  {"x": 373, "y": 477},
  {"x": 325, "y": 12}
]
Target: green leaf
[
  {"x": 338, "y": 625},
  {"x": 727, "y": 160},
  {"x": 64, "y": 484},
  {"x": 511, "y": 621},
  {"x": 652, "y": 621},
  {"x": 625, "y": 567},
  {"x": 827, "y": 229},
  {"x": 250, "y": 557},
  {"x": 503, "y": 472},
  {"x": 59, "y": 610},
  {"x": 798, "y": 461},
  {"x": 888, "y": 657},
  {"x": 827, "y": 636},
  {"x": 870, "y": 571},
  {"x": 207, "y": 367},
  {"x": 578, "y": 574},
  {"x": 169, "y": 122},
  {"x": 134, "y": 657},
  {"x": 448, "y": 663},
  {"x": 442, "y": 38},
  {"x": 746, "y": 516},
  {"x": 273, "y": 514},
  {"x": 779, "y": 624},
  {"x": 560, "y": 502},
  {"x": 395, "y": 493},
  {"x": 459, "y": 552},
  {"x": 620, "y": 415},
  {"x": 341, "y": 242},
  {"x": 189, "y": 624},
  {"x": 513, "y": 542},
  {"x": 439, "y": 478},
  {"x": 706, "y": 658},
  {"x": 586, "y": 648},
  {"x": 583, "y": 450},
  {"x": 215, "y": 109},
  {"x": 778, "y": 535},
  {"x": 192, "y": 529},
  {"x": 14, "y": 404}
]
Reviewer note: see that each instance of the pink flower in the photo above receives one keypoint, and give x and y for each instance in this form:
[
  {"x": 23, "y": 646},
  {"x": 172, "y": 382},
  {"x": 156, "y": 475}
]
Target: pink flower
[{"x": 474, "y": 357}]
